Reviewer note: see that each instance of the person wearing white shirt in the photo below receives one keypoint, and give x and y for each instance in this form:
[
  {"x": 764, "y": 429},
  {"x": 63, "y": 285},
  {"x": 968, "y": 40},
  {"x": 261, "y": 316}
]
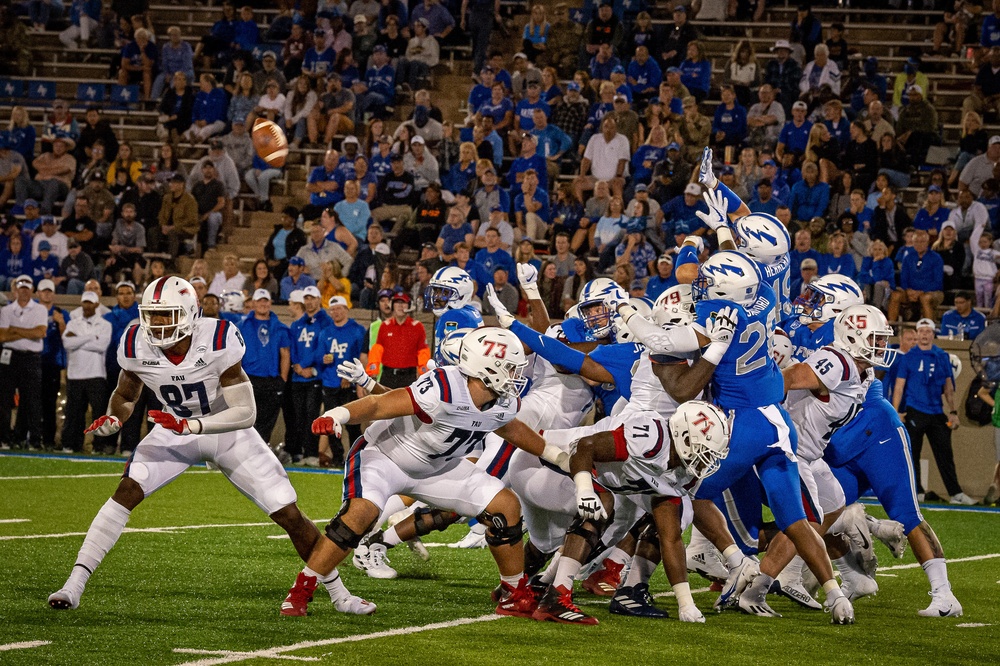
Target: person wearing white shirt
[
  {"x": 229, "y": 278},
  {"x": 23, "y": 325},
  {"x": 86, "y": 341},
  {"x": 968, "y": 215},
  {"x": 58, "y": 242},
  {"x": 94, "y": 287},
  {"x": 605, "y": 158}
]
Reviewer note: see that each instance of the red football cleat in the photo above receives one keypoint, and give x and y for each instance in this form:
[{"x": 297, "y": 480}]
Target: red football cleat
[
  {"x": 557, "y": 606},
  {"x": 519, "y": 601},
  {"x": 605, "y": 580},
  {"x": 296, "y": 604}
]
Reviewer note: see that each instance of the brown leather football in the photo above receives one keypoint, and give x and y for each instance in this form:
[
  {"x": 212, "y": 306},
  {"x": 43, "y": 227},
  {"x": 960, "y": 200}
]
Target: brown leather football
[{"x": 270, "y": 142}]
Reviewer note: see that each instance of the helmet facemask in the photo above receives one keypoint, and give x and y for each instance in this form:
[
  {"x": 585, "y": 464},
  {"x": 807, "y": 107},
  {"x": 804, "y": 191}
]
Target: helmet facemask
[
  {"x": 596, "y": 318},
  {"x": 164, "y": 335},
  {"x": 809, "y": 305},
  {"x": 438, "y": 297},
  {"x": 505, "y": 378}
]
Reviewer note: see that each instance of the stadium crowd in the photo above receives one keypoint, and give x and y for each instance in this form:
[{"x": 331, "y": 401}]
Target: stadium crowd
[{"x": 577, "y": 154}]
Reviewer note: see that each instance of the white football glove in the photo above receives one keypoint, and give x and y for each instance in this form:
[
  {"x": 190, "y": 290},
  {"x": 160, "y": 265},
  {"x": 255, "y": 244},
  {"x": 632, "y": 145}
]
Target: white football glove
[
  {"x": 718, "y": 207},
  {"x": 705, "y": 174},
  {"x": 504, "y": 316},
  {"x": 104, "y": 426},
  {"x": 697, "y": 242},
  {"x": 588, "y": 504},
  {"x": 527, "y": 277},
  {"x": 354, "y": 372},
  {"x": 720, "y": 331},
  {"x": 690, "y": 614}
]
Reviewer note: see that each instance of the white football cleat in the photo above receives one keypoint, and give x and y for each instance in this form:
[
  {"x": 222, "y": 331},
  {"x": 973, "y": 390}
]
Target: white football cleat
[
  {"x": 857, "y": 586},
  {"x": 373, "y": 561},
  {"x": 963, "y": 499},
  {"x": 419, "y": 549},
  {"x": 474, "y": 539},
  {"x": 943, "y": 604},
  {"x": 840, "y": 609},
  {"x": 739, "y": 578},
  {"x": 353, "y": 605},
  {"x": 758, "y": 608},
  {"x": 794, "y": 589},
  {"x": 856, "y": 530},
  {"x": 707, "y": 563},
  {"x": 890, "y": 533},
  {"x": 64, "y": 599}
]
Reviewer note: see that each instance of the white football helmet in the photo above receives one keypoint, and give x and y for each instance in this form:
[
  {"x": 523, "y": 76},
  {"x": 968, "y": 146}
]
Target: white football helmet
[
  {"x": 863, "y": 331},
  {"x": 450, "y": 287},
  {"x": 782, "y": 349},
  {"x": 173, "y": 298},
  {"x": 597, "y": 319},
  {"x": 824, "y": 298},
  {"x": 495, "y": 356},
  {"x": 622, "y": 332},
  {"x": 232, "y": 301},
  {"x": 700, "y": 432},
  {"x": 573, "y": 312},
  {"x": 727, "y": 276},
  {"x": 762, "y": 237},
  {"x": 450, "y": 349},
  {"x": 674, "y": 307},
  {"x": 956, "y": 366}
]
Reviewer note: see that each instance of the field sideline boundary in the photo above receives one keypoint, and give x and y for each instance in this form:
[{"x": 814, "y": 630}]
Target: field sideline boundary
[{"x": 122, "y": 460}]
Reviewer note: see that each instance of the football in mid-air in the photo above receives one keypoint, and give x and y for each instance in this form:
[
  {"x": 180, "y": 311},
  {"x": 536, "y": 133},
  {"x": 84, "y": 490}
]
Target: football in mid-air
[{"x": 270, "y": 142}]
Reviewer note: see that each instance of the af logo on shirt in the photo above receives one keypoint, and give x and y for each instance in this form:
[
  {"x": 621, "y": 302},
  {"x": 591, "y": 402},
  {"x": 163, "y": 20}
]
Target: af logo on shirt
[
  {"x": 307, "y": 336},
  {"x": 338, "y": 348}
]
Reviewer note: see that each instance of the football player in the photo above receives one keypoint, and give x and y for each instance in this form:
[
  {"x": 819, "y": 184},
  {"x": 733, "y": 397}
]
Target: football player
[
  {"x": 416, "y": 446},
  {"x": 448, "y": 296},
  {"x": 194, "y": 367},
  {"x": 728, "y": 287},
  {"x": 231, "y": 306},
  {"x": 814, "y": 311}
]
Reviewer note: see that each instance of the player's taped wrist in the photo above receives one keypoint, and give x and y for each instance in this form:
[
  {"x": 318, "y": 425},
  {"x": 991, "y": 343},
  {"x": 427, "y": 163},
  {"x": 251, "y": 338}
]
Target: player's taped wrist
[
  {"x": 557, "y": 456},
  {"x": 367, "y": 383},
  {"x": 531, "y": 291},
  {"x": 550, "y": 349},
  {"x": 584, "y": 482},
  {"x": 731, "y": 198},
  {"x": 724, "y": 235},
  {"x": 714, "y": 352},
  {"x": 339, "y": 414},
  {"x": 240, "y": 413},
  {"x": 683, "y": 593}
]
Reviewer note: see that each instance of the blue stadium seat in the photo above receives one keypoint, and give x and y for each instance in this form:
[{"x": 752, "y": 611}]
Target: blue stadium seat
[
  {"x": 11, "y": 89},
  {"x": 41, "y": 92},
  {"x": 123, "y": 97},
  {"x": 91, "y": 93}
]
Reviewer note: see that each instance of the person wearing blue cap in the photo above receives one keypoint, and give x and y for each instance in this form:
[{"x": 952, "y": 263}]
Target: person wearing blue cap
[
  {"x": 636, "y": 250},
  {"x": 296, "y": 279},
  {"x": 933, "y": 213},
  {"x": 676, "y": 38}
]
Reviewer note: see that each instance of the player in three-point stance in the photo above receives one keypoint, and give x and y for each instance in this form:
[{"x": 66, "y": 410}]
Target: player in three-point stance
[
  {"x": 417, "y": 446},
  {"x": 194, "y": 366}
]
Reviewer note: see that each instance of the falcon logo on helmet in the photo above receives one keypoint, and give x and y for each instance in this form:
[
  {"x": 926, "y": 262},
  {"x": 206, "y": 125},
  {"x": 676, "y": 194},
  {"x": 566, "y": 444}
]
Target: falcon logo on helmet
[
  {"x": 167, "y": 311},
  {"x": 232, "y": 301},
  {"x": 826, "y": 297},
  {"x": 450, "y": 349},
  {"x": 449, "y": 288},
  {"x": 864, "y": 332},
  {"x": 762, "y": 237},
  {"x": 727, "y": 276},
  {"x": 700, "y": 432},
  {"x": 496, "y": 357},
  {"x": 596, "y": 317}
]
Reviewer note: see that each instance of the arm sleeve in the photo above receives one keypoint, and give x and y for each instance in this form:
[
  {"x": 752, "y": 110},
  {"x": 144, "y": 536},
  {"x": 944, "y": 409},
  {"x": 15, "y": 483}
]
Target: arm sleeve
[
  {"x": 661, "y": 341},
  {"x": 550, "y": 349},
  {"x": 240, "y": 413}
]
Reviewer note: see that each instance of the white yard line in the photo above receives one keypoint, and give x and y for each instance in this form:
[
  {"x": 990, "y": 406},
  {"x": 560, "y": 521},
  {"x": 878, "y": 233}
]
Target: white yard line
[
  {"x": 950, "y": 560},
  {"x": 80, "y": 476},
  {"x": 224, "y": 657},
  {"x": 136, "y": 530},
  {"x": 14, "y": 520},
  {"x": 24, "y": 645},
  {"x": 658, "y": 595}
]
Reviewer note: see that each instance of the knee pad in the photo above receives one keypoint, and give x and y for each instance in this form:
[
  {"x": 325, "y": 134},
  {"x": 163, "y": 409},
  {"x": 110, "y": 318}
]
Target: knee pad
[
  {"x": 590, "y": 531},
  {"x": 427, "y": 520},
  {"x": 342, "y": 535},
  {"x": 498, "y": 532},
  {"x": 534, "y": 559}
]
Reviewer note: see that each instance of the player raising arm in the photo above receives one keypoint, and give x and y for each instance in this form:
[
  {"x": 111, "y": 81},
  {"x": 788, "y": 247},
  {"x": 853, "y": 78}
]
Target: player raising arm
[{"x": 194, "y": 366}]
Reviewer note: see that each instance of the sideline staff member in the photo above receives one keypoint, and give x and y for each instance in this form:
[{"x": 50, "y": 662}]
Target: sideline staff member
[
  {"x": 267, "y": 360},
  {"x": 23, "y": 325},
  {"x": 401, "y": 347}
]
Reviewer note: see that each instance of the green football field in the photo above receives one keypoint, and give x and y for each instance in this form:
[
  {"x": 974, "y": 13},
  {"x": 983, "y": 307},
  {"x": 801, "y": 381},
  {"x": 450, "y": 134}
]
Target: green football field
[{"x": 197, "y": 580}]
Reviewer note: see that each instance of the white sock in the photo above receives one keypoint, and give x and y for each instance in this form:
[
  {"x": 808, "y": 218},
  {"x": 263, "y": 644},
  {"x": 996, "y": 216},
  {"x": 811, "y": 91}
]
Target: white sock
[
  {"x": 331, "y": 581},
  {"x": 104, "y": 531},
  {"x": 618, "y": 555},
  {"x": 937, "y": 573},
  {"x": 640, "y": 572},
  {"x": 478, "y": 528},
  {"x": 566, "y": 571},
  {"x": 390, "y": 538},
  {"x": 550, "y": 571},
  {"x": 793, "y": 572},
  {"x": 514, "y": 580},
  {"x": 392, "y": 505},
  {"x": 732, "y": 555}
]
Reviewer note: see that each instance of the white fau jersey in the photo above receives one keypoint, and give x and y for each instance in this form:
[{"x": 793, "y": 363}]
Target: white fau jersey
[
  {"x": 555, "y": 399},
  {"x": 817, "y": 417},
  {"x": 642, "y": 452},
  {"x": 647, "y": 391},
  {"x": 446, "y": 424},
  {"x": 190, "y": 389}
]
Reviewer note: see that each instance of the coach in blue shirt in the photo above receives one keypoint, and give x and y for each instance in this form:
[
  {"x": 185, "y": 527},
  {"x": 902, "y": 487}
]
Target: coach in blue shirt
[
  {"x": 343, "y": 340},
  {"x": 921, "y": 279},
  {"x": 962, "y": 321},
  {"x": 306, "y": 391},
  {"x": 810, "y": 196},
  {"x": 923, "y": 380},
  {"x": 266, "y": 361}
]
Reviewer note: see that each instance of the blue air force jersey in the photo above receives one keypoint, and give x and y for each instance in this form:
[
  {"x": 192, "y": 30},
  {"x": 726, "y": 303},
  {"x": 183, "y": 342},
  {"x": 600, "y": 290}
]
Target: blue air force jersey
[
  {"x": 453, "y": 319},
  {"x": 747, "y": 376},
  {"x": 621, "y": 359},
  {"x": 776, "y": 276},
  {"x": 805, "y": 340}
]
